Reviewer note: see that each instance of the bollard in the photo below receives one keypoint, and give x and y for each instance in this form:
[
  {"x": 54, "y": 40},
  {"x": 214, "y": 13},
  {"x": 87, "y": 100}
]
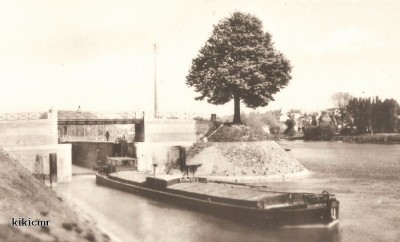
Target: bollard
[
  {"x": 154, "y": 170},
  {"x": 53, "y": 168},
  {"x": 213, "y": 117}
]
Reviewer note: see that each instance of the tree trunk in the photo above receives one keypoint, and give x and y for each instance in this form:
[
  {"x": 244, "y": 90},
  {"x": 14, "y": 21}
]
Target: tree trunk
[{"x": 236, "y": 115}]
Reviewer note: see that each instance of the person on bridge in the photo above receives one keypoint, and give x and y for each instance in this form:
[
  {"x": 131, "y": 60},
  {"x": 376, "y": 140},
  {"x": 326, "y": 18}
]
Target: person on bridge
[
  {"x": 78, "y": 111},
  {"x": 107, "y": 135}
]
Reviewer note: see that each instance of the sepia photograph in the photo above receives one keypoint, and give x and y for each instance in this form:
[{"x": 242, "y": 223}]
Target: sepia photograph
[{"x": 199, "y": 120}]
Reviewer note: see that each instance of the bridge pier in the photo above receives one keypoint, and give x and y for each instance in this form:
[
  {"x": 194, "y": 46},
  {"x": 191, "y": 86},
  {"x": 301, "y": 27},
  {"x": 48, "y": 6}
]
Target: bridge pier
[{"x": 139, "y": 132}]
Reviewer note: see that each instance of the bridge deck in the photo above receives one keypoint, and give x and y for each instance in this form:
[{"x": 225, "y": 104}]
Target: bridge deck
[{"x": 95, "y": 118}]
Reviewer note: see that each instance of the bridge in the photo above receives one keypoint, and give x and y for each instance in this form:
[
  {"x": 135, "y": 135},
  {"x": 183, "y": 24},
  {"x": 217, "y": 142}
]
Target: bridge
[
  {"x": 163, "y": 126},
  {"x": 30, "y": 135}
]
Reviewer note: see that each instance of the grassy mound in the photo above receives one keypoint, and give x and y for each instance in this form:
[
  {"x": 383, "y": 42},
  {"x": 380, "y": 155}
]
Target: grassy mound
[{"x": 23, "y": 196}]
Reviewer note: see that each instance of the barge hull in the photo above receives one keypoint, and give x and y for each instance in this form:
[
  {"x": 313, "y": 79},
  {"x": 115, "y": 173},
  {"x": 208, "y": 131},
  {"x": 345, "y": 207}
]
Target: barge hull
[{"x": 297, "y": 215}]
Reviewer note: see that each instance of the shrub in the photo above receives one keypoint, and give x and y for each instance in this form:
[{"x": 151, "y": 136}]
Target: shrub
[
  {"x": 275, "y": 130},
  {"x": 393, "y": 138},
  {"x": 348, "y": 131},
  {"x": 311, "y": 132},
  {"x": 290, "y": 123},
  {"x": 290, "y": 132},
  {"x": 327, "y": 131}
]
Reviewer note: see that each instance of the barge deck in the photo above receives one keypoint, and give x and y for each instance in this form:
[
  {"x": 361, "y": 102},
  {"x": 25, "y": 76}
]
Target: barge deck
[{"x": 257, "y": 204}]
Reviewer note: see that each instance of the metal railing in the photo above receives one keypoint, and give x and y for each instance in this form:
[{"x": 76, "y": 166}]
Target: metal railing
[
  {"x": 75, "y": 115},
  {"x": 23, "y": 116}
]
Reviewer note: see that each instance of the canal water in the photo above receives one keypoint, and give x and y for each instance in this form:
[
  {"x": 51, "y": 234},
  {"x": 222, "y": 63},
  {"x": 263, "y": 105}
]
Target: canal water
[{"x": 365, "y": 178}]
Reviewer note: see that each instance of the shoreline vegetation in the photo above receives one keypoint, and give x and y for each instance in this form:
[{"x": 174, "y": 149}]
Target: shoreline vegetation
[
  {"x": 359, "y": 120},
  {"x": 379, "y": 138},
  {"x": 247, "y": 133}
]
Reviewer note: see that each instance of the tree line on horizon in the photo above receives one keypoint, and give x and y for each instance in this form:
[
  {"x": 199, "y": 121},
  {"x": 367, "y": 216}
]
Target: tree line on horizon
[
  {"x": 357, "y": 116},
  {"x": 351, "y": 116},
  {"x": 372, "y": 115}
]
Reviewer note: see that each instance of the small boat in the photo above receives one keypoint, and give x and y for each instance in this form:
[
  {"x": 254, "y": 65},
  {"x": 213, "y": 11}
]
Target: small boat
[{"x": 248, "y": 203}]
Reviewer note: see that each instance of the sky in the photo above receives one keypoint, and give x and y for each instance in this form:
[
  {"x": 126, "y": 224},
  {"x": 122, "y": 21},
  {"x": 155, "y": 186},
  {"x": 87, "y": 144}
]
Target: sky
[{"x": 99, "y": 54}]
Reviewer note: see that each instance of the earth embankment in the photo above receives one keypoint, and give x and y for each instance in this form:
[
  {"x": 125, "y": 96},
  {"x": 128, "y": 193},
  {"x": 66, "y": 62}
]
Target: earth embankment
[
  {"x": 240, "y": 159},
  {"x": 24, "y": 196}
]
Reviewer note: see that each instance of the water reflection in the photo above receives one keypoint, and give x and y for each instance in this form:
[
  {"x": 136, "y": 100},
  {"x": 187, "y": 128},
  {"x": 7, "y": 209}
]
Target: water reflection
[{"x": 132, "y": 218}]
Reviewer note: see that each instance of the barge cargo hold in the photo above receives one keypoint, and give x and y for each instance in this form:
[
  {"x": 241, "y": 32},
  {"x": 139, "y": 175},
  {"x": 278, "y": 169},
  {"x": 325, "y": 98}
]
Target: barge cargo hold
[{"x": 255, "y": 204}]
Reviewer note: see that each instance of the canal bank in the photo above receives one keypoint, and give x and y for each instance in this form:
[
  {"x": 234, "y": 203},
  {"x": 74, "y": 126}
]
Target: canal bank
[
  {"x": 25, "y": 198},
  {"x": 377, "y": 138}
]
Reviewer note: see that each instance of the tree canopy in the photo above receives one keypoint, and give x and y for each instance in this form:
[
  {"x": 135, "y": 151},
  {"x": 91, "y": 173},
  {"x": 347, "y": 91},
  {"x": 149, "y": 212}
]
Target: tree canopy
[
  {"x": 375, "y": 115},
  {"x": 341, "y": 100},
  {"x": 239, "y": 62}
]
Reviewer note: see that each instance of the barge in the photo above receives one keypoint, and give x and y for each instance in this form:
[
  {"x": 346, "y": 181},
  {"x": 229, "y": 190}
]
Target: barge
[{"x": 257, "y": 205}]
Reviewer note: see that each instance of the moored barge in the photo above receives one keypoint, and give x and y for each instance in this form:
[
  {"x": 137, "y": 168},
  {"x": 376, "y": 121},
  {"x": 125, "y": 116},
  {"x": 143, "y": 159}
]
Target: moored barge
[{"x": 247, "y": 203}]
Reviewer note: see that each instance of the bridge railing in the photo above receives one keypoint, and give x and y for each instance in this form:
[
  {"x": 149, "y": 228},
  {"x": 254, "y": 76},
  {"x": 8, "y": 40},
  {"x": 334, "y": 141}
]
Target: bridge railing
[
  {"x": 23, "y": 116},
  {"x": 74, "y": 115},
  {"x": 71, "y": 115}
]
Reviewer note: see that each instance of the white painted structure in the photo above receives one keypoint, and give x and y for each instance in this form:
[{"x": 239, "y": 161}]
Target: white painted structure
[
  {"x": 162, "y": 136},
  {"x": 26, "y": 140}
]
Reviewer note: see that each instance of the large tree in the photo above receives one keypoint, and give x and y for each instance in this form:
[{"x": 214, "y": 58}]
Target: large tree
[
  {"x": 360, "y": 109},
  {"x": 390, "y": 110},
  {"x": 341, "y": 100},
  {"x": 239, "y": 62}
]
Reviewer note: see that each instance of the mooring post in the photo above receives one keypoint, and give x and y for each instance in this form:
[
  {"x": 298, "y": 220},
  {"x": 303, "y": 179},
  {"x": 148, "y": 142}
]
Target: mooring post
[
  {"x": 154, "y": 170},
  {"x": 213, "y": 117}
]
